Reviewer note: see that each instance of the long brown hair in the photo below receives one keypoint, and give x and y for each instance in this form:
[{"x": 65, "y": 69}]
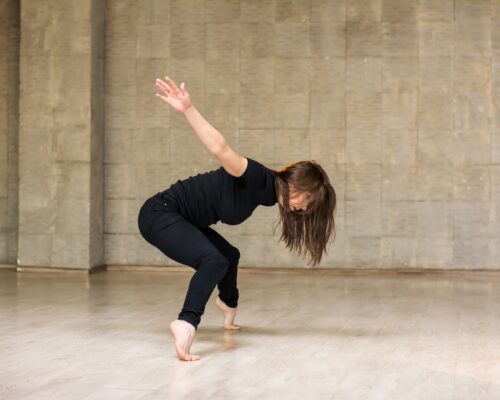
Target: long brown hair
[{"x": 307, "y": 231}]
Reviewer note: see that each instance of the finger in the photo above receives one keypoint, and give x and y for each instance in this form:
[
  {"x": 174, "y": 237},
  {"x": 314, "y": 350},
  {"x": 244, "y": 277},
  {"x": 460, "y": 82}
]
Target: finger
[
  {"x": 172, "y": 83},
  {"x": 164, "y": 98},
  {"x": 163, "y": 86},
  {"x": 164, "y": 90},
  {"x": 183, "y": 89}
]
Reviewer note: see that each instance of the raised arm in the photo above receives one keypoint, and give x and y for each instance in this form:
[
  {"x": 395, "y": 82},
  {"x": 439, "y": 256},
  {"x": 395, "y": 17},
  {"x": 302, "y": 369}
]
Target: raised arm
[{"x": 178, "y": 98}]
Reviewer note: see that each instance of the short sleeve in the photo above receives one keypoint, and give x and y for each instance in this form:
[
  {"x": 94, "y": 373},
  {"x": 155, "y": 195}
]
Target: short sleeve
[{"x": 256, "y": 175}]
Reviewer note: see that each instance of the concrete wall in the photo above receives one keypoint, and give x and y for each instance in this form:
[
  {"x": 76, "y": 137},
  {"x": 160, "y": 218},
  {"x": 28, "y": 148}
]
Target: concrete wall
[
  {"x": 61, "y": 134},
  {"x": 9, "y": 127},
  {"x": 397, "y": 99}
]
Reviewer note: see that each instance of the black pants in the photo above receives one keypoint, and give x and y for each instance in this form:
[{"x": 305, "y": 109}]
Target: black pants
[{"x": 214, "y": 259}]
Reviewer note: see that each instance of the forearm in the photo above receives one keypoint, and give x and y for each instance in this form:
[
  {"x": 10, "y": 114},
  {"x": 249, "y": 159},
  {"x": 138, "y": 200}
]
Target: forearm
[{"x": 210, "y": 137}]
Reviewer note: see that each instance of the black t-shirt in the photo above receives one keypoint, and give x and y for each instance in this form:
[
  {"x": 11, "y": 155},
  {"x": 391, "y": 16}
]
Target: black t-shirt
[{"x": 216, "y": 195}]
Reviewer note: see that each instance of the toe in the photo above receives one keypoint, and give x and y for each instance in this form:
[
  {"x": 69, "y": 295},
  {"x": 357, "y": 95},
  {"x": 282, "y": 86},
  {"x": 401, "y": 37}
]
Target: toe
[{"x": 192, "y": 357}]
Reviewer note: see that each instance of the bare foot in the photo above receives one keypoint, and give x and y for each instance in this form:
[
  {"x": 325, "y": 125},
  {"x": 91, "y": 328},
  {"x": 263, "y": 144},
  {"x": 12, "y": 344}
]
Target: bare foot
[
  {"x": 229, "y": 314},
  {"x": 184, "y": 335}
]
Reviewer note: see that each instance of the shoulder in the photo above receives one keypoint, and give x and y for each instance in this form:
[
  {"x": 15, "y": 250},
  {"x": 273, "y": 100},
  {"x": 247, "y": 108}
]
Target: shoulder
[{"x": 256, "y": 172}]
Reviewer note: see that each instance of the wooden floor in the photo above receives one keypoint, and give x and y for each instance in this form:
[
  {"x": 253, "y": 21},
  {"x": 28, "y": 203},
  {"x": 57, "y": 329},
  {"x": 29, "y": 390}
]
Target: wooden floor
[{"x": 304, "y": 336}]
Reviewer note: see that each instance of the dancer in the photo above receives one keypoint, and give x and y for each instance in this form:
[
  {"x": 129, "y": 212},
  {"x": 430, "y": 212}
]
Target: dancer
[{"x": 177, "y": 220}]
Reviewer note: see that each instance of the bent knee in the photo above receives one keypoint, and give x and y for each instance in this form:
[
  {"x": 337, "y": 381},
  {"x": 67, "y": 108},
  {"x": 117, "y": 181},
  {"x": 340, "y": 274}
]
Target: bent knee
[{"x": 214, "y": 264}]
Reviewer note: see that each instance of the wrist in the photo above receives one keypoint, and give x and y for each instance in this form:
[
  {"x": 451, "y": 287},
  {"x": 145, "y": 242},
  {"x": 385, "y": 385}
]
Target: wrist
[{"x": 189, "y": 108}]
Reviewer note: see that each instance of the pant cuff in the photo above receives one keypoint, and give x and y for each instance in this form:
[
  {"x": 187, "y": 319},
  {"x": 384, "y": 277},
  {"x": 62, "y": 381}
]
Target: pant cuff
[
  {"x": 189, "y": 320},
  {"x": 230, "y": 301}
]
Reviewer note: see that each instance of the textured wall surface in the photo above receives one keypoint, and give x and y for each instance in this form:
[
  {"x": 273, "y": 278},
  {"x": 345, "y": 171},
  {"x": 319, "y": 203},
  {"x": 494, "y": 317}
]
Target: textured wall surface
[
  {"x": 397, "y": 99},
  {"x": 61, "y": 134},
  {"x": 9, "y": 127}
]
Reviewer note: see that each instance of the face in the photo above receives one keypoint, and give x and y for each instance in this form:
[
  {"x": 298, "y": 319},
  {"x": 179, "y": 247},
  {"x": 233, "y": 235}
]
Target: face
[{"x": 298, "y": 200}]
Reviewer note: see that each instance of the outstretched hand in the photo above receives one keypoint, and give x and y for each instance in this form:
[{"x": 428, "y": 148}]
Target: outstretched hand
[{"x": 177, "y": 97}]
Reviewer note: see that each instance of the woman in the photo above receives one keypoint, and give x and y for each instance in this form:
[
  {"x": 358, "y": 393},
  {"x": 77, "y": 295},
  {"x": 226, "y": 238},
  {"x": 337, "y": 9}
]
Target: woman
[{"x": 177, "y": 220}]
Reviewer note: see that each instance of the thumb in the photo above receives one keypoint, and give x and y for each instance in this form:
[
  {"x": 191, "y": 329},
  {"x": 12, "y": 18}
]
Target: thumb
[{"x": 183, "y": 88}]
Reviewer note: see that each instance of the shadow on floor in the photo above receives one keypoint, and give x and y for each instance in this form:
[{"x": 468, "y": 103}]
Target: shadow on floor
[{"x": 291, "y": 330}]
